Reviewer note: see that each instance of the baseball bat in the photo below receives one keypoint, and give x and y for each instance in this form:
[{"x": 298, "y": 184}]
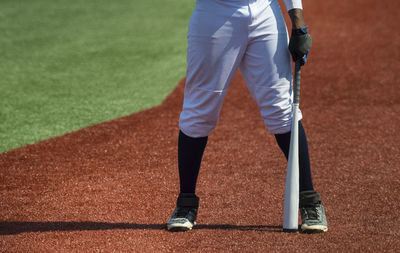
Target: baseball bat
[{"x": 291, "y": 198}]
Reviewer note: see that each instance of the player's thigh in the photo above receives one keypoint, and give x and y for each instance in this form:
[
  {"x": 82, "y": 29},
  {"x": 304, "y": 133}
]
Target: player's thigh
[
  {"x": 267, "y": 57},
  {"x": 216, "y": 42}
]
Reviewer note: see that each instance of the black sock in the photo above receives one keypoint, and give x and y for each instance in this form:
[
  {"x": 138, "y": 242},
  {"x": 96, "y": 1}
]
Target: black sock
[
  {"x": 304, "y": 160},
  {"x": 190, "y": 153}
]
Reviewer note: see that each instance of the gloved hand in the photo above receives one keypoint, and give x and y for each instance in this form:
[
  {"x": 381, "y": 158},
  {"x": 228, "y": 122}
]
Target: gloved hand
[{"x": 300, "y": 44}]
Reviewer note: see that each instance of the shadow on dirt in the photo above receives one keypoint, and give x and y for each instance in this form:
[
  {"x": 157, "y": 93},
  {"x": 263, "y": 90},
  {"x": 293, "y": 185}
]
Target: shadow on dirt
[
  {"x": 11, "y": 228},
  {"x": 261, "y": 228}
]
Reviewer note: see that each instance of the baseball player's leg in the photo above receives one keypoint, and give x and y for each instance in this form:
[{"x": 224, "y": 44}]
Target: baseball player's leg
[
  {"x": 269, "y": 81},
  {"x": 216, "y": 43}
]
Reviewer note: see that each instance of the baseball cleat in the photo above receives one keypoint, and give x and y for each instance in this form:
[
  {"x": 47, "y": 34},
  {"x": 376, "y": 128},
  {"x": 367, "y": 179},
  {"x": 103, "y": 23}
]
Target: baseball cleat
[
  {"x": 312, "y": 213},
  {"x": 184, "y": 216}
]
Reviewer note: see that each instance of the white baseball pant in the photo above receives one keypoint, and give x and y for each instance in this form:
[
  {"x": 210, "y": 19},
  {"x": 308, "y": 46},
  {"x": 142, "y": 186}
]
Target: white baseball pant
[{"x": 224, "y": 36}]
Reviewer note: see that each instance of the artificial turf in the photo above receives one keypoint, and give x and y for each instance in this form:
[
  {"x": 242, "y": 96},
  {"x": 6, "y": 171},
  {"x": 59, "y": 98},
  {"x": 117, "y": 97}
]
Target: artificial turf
[{"x": 67, "y": 64}]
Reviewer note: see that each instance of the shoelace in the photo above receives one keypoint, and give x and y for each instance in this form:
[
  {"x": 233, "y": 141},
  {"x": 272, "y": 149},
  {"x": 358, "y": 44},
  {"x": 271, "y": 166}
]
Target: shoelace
[{"x": 312, "y": 212}]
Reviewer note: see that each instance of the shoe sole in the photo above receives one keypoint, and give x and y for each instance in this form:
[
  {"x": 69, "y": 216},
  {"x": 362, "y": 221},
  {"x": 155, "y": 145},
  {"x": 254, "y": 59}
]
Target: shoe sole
[
  {"x": 179, "y": 227},
  {"x": 314, "y": 229}
]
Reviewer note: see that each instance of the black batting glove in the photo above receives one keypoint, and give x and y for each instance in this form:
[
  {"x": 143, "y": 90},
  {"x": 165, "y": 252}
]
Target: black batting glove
[{"x": 300, "y": 44}]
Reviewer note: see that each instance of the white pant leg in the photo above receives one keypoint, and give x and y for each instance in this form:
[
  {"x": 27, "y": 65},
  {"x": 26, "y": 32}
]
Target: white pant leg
[
  {"x": 267, "y": 67},
  {"x": 217, "y": 39}
]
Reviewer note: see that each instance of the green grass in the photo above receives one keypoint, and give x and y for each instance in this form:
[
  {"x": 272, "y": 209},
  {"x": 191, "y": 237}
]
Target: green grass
[{"x": 68, "y": 64}]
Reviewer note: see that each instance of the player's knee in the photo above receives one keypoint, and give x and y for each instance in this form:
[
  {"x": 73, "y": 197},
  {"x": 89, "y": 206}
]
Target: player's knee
[
  {"x": 279, "y": 128},
  {"x": 279, "y": 122},
  {"x": 195, "y": 127}
]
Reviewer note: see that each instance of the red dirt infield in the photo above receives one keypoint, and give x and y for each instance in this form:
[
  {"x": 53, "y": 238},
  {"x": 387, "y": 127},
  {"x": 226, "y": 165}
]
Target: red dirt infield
[{"x": 111, "y": 187}]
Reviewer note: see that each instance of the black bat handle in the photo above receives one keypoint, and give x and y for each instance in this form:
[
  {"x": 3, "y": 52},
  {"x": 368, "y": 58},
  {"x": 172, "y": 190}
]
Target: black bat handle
[{"x": 296, "y": 83}]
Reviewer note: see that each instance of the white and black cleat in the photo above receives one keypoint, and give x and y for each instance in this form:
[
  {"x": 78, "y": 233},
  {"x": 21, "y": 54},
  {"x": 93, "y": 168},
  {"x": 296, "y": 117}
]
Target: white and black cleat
[
  {"x": 312, "y": 213},
  {"x": 184, "y": 216}
]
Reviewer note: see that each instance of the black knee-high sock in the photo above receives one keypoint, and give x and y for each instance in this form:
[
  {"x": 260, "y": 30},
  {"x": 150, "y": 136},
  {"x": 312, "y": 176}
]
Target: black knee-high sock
[
  {"x": 190, "y": 153},
  {"x": 304, "y": 160}
]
